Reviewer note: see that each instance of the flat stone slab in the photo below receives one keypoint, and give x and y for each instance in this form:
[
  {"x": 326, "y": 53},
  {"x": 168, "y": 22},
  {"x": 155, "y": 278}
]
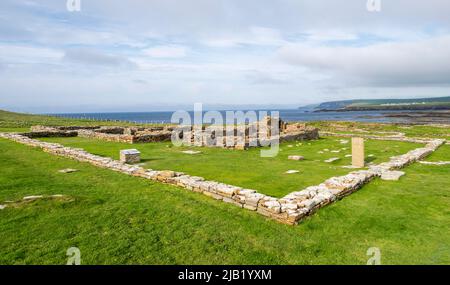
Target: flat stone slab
[
  {"x": 350, "y": 167},
  {"x": 435, "y": 162},
  {"x": 67, "y": 170},
  {"x": 333, "y": 159},
  {"x": 292, "y": 171},
  {"x": 295, "y": 157},
  {"x": 191, "y": 151},
  {"x": 29, "y": 198},
  {"x": 2, "y": 207},
  {"x": 130, "y": 151},
  {"x": 392, "y": 175}
]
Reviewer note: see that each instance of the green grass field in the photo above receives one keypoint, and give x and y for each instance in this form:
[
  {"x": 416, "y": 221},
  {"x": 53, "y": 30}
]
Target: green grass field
[
  {"x": 118, "y": 219},
  {"x": 247, "y": 168},
  {"x": 114, "y": 218},
  {"x": 17, "y": 122}
]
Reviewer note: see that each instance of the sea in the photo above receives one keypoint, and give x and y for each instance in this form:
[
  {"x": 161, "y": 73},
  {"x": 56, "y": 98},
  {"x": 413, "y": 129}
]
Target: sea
[{"x": 286, "y": 115}]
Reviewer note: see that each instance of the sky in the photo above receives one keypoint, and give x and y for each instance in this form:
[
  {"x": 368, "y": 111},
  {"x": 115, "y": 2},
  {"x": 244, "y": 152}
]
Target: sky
[{"x": 144, "y": 55}]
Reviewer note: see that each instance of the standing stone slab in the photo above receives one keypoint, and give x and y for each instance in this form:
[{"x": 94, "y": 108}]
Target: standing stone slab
[
  {"x": 358, "y": 152},
  {"x": 130, "y": 156}
]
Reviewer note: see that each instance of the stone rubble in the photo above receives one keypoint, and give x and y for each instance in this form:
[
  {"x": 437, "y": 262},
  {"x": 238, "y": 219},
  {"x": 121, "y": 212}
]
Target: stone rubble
[
  {"x": 295, "y": 157},
  {"x": 290, "y": 209},
  {"x": 333, "y": 159}
]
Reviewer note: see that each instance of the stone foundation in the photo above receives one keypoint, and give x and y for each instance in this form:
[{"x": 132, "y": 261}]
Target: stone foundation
[
  {"x": 290, "y": 209},
  {"x": 113, "y": 134}
]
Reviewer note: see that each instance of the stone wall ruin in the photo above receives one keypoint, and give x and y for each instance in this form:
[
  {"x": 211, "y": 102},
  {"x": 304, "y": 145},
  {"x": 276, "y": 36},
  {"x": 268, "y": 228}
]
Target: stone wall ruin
[{"x": 240, "y": 137}]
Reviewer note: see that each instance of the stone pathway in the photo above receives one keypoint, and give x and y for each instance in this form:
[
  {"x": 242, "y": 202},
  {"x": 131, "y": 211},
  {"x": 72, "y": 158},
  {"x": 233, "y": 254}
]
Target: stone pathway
[{"x": 290, "y": 209}]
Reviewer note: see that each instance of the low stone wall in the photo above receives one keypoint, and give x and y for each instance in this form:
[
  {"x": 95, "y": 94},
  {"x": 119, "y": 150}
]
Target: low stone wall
[
  {"x": 290, "y": 209},
  {"x": 48, "y": 134},
  {"x": 106, "y": 133},
  {"x": 39, "y": 128},
  {"x": 154, "y": 136},
  {"x": 105, "y": 136},
  {"x": 238, "y": 142},
  {"x": 307, "y": 134}
]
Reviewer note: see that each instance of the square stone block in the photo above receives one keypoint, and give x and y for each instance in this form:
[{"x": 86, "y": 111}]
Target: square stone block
[{"x": 130, "y": 156}]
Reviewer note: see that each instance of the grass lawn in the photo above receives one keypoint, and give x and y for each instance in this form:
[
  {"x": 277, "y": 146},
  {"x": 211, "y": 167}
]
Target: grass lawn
[
  {"x": 18, "y": 122},
  {"x": 376, "y": 128},
  {"x": 119, "y": 219},
  {"x": 246, "y": 168}
]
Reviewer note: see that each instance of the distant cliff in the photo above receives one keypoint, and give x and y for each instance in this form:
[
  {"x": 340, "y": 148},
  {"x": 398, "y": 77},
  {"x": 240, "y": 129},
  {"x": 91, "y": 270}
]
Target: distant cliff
[{"x": 441, "y": 103}]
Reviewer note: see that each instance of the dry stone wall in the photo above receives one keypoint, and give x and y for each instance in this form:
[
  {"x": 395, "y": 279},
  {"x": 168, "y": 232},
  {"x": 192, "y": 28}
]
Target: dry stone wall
[
  {"x": 107, "y": 133},
  {"x": 290, "y": 209}
]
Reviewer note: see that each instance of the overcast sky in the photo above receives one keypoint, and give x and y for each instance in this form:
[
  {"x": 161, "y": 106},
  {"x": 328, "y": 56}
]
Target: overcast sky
[{"x": 116, "y": 55}]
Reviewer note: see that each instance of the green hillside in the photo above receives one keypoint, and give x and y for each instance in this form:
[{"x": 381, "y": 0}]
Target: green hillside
[{"x": 441, "y": 103}]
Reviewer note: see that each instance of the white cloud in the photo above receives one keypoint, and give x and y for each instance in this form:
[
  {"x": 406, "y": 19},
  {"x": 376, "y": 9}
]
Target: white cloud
[
  {"x": 168, "y": 51},
  {"x": 15, "y": 54},
  {"x": 95, "y": 57},
  {"x": 330, "y": 35},
  {"x": 254, "y": 35},
  {"x": 424, "y": 62},
  {"x": 145, "y": 50}
]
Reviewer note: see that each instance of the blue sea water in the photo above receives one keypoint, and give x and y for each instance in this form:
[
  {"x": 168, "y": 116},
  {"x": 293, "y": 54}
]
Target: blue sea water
[{"x": 286, "y": 115}]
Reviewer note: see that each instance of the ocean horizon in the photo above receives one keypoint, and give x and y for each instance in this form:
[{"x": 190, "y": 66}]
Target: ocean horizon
[{"x": 292, "y": 115}]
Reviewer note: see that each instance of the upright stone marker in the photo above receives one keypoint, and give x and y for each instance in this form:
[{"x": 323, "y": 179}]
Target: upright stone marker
[{"x": 358, "y": 152}]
